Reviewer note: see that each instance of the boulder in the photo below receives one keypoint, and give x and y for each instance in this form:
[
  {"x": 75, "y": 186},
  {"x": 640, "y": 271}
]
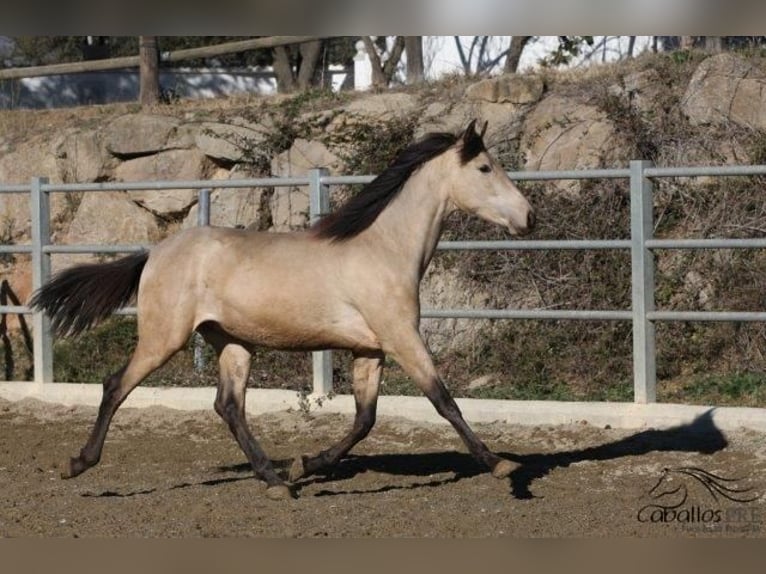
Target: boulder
[
  {"x": 83, "y": 156},
  {"x": 134, "y": 135},
  {"x": 290, "y": 206},
  {"x": 232, "y": 207},
  {"x": 376, "y": 108},
  {"x": 107, "y": 218},
  {"x": 228, "y": 142},
  {"x": 444, "y": 288},
  {"x": 726, "y": 88},
  {"x": 168, "y": 165},
  {"x": 507, "y": 89},
  {"x": 642, "y": 90},
  {"x": 33, "y": 158},
  {"x": 563, "y": 134}
]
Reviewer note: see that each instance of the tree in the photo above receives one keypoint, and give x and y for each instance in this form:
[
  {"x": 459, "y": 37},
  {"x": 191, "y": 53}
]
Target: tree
[
  {"x": 383, "y": 72},
  {"x": 413, "y": 48},
  {"x": 299, "y": 76},
  {"x": 514, "y": 53},
  {"x": 149, "y": 70}
]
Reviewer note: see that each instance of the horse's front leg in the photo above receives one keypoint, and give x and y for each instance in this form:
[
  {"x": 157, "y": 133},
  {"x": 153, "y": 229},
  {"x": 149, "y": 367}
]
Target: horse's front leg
[
  {"x": 368, "y": 370},
  {"x": 411, "y": 353}
]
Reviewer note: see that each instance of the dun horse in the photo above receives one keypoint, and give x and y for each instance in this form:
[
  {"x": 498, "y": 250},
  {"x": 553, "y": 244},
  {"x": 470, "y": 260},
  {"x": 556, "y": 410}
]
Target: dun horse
[{"x": 349, "y": 282}]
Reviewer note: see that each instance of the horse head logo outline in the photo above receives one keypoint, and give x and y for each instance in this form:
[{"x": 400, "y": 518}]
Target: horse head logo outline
[{"x": 673, "y": 482}]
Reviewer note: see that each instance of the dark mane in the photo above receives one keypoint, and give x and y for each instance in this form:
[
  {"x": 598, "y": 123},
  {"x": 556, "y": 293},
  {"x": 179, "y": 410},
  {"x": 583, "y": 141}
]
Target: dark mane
[{"x": 358, "y": 213}]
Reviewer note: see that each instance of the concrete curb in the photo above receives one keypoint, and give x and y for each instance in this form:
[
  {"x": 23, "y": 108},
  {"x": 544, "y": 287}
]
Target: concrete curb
[{"x": 260, "y": 401}]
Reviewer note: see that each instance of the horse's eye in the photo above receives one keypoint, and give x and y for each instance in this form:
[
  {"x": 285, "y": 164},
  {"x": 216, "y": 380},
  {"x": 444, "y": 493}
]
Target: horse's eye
[{"x": 485, "y": 168}]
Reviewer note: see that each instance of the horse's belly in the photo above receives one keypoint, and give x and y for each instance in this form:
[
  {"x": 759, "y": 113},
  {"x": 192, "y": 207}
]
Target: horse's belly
[{"x": 295, "y": 330}]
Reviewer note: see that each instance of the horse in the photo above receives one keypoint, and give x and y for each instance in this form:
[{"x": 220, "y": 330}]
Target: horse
[{"x": 350, "y": 281}]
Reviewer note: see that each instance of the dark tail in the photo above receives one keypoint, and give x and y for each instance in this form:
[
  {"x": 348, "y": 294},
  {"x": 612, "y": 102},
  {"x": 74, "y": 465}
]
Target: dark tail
[{"x": 79, "y": 297}]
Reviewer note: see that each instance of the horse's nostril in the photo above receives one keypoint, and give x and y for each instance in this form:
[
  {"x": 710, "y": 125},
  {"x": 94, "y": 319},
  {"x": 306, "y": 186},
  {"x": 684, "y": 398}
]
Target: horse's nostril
[{"x": 531, "y": 221}]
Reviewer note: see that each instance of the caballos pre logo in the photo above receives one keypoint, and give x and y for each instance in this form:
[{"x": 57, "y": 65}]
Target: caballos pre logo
[{"x": 678, "y": 497}]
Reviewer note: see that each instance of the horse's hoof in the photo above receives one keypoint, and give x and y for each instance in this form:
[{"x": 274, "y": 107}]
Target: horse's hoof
[
  {"x": 279, "y": 492},
  {"x": 502, "y": 469},
  {"x": 297, "y": 469},
  {"x": 74, "y": 467}
]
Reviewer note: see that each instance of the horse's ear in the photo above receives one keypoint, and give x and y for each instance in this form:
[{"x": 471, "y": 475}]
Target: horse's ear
[{"x": 470, "y": 131}]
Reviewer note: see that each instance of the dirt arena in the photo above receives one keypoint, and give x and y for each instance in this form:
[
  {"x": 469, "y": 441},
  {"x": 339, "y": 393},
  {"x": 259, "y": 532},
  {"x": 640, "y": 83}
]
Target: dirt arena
[{"x": 169, "y": 473}]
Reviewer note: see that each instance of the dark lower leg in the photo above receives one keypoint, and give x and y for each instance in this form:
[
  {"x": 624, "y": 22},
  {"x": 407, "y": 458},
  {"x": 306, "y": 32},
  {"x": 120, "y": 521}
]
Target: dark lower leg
[
  {"x": 235, "y": 419},
  {"x": 368, "y": 370},
  {"x": 447, "y": 407},
  {"x": 307, "y": 465},
  {"x": 90, "y": 454}
]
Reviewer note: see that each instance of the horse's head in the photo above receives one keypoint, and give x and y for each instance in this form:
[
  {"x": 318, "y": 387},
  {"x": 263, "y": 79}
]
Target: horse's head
[{"x": 482, "y": 187}]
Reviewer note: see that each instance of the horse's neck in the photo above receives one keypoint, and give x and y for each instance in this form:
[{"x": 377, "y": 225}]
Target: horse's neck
[{"x": 412, "y": 223}]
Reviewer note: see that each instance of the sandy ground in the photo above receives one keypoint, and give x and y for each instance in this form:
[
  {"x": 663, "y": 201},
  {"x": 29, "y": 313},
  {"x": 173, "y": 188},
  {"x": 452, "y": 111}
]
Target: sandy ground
[{"x": 169, "y": 473}]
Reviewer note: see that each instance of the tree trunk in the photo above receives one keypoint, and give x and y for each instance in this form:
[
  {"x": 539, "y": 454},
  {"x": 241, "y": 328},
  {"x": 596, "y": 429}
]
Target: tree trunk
[
  {"x": 389, "y": 68},
  {"x": 413, "y": 47},
  {"x": 687, "y": 42},
  {"x": 149, "y": 70},
  {"x": 714, "y": 44},
  {"x": 310, "y": 52},
  {"x": 283, "y": 70},
  {"x": 631, "y": 45},
  {"x": 378, "y": 79},
  {"x": 514, "y": 53}
]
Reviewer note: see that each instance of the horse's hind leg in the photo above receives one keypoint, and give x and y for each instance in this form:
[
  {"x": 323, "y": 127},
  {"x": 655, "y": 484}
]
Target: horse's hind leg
[
  {"x": 368, "y": 370},
  {"x": 234, "y": 361},
  {"x": 146, "y": 358}
]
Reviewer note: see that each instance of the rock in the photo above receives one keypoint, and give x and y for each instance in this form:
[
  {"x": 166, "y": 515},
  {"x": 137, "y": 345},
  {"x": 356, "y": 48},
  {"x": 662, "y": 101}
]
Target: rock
[
  {"x": 380, "y": 107},
  {"x": 107, "y": 218},
  {"x": 701, "y": 290},
  {"x": 232, "y": 207},
  {"x": 168, "y": 165},
  {"x": 504, "y": 122},
  {"x": 509, "y": 88},
  {"x": 484, "y": 381},
  {"x": 563, "y": 134},
  {"x": 641, "y": 89},
  {"x": 28, "y": 159},
  {"x": 444, "y": 117},
  {"x": 83, "y": 156},
  {"x": 135, "y": 135},
  {"x": 234, "y": 143},
  {"x": 446, "y": 289},
  {"x": 290, "y": 206},
  {"x": 486, "y": 90},
  {"x": 726, "y": 88}
]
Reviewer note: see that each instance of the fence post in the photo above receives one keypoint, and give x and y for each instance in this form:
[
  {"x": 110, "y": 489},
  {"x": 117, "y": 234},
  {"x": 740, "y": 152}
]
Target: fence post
[
  {"x": 203, "y": 219},
  {"x": 642, "y": 264},
  {"x": 42, "y": 342},
  {"x": 319, "y": 204}
]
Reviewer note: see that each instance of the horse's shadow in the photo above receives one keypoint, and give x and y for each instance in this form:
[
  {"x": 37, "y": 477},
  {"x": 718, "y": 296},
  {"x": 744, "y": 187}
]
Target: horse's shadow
[{"x": 700, "y": 436}]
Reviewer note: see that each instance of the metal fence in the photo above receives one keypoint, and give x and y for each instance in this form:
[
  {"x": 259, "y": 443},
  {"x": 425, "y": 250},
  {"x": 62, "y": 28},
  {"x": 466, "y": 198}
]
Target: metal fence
[{"x": 641, "y": 245}]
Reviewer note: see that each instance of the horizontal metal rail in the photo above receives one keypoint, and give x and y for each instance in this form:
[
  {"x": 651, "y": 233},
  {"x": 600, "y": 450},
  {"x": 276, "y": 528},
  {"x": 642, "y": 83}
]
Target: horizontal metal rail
[
  {"x": 542, "y": 245},
  {"x": 536, "y": 314},
  {"x": 715, "y": 243},
  {"x": 16, "y": 248},
  {"x": 83, "y": 248},
  {"x": 167, "y": 185},
  {"x": 746, "y": 316}
]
